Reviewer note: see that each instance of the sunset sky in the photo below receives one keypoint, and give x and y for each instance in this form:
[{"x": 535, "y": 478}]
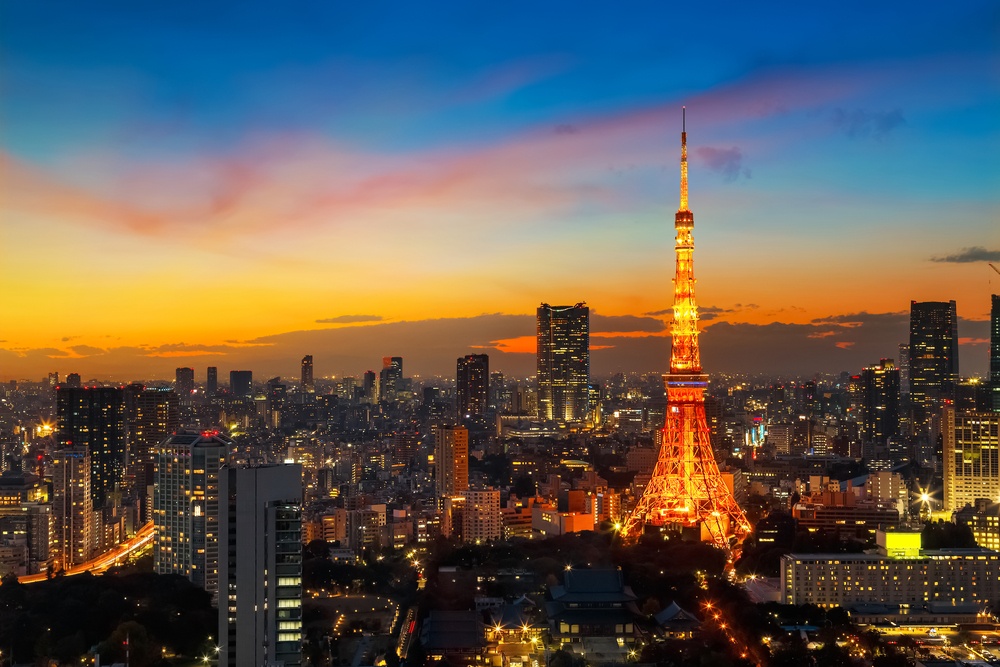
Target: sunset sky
[{"x": 240, "y": 184}]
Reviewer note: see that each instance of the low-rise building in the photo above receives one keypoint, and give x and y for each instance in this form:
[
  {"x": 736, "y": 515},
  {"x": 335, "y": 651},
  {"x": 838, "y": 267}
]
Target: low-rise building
[
  {"x": 901, "y": 573},
  {"x": 591, "y": 603}
]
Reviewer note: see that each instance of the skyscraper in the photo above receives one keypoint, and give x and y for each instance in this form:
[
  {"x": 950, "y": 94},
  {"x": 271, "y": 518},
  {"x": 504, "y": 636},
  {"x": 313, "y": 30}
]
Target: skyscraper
[
  {"x": 389, "y": 377},
  {"x": 186, "y": 507},
  {"x": 151, "y": 415},
  {"x": 451, "y": 460},
  {"x": 933, "y": 359},
  {"x": 260, "y": 566},
  {"x": 995, "y": 353},
  {"x": 212, "y": 381},
  {"x": 472, "y": 384},
  {"x": 971, "y": 450},
  {"x": 879, "y": 419},
  {"x": 307, "y": 374},
  {"x": 563, "y": 362},
  {"x": 72, "y": 507},
  {"x": 368, "y": 385},
  {"x": 241, "y": 383},
  {"x": 904, "y": 369},
  {"x": 94, "y": 418},
  {"x": 184, "y": 382}
]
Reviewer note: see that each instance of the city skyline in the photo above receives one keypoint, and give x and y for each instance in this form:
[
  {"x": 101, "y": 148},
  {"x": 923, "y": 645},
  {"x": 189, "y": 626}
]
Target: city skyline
[{"x": 240, "y": 202}]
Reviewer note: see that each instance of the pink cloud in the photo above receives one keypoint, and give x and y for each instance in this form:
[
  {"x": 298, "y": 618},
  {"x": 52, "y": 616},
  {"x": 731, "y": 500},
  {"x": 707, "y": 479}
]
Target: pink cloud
[{"x": 276, "y": 182}]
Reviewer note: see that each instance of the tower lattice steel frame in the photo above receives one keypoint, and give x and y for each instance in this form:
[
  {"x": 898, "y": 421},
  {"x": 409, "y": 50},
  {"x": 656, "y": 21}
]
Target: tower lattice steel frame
[{"x": 687, "y": 488}]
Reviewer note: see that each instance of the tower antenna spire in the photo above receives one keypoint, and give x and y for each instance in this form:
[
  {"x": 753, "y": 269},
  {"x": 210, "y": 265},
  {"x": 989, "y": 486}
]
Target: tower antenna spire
[{"x": 684, "y": 161}]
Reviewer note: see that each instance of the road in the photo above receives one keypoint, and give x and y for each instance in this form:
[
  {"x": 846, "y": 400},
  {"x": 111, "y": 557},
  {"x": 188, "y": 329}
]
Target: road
[{"x": 108, "y": 559}]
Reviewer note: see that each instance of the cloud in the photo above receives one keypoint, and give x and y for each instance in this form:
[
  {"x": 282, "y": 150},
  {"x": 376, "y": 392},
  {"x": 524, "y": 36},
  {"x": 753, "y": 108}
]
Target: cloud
[
  {"x": 618, "y": 324},
  {"x": 975, "y": 253},
  {"x": 973, "y": 341},
  {"x": 860, "y": 124},
  {"x": 659, "y": 313},
  {"x": 565, "y": 128},
  {"x": 350, "y": 319},
  {"x": 725, "y": 161},
  {"x": 430, "y": 347},
  {"x": 86, "y": 350}
]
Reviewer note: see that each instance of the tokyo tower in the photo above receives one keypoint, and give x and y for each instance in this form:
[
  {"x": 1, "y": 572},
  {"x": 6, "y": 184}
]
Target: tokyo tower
[{"x": 686, "y": 489}]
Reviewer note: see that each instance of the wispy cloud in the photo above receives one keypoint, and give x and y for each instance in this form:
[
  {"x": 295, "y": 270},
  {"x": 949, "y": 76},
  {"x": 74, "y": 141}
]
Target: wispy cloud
[
  {"x": 725, "y": 161},
  {"x": 350, "y": 319},
  {"x": 972, "y": 254},
  {"x": 860, "y": 123}
]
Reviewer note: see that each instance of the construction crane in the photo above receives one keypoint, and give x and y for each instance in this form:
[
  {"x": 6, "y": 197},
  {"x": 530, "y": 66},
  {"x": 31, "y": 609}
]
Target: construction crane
[{"x": 993, "y": 267}]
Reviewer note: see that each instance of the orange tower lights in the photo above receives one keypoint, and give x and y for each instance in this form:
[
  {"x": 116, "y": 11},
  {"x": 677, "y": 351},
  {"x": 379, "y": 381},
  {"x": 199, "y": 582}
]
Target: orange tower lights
[{"x": 687, "y": 488}]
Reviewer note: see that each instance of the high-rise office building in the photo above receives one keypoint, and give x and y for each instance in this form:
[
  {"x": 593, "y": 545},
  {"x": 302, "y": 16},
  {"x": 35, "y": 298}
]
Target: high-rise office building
[
  {"x": 307, "y": 373},
  {"x": 72, "y": 507},
  {"x": 186, "y": 507},
  {"x": 73, "y": 380},
  {"x": 241, "y": 383},
  {"x": 260, "y": 566},
  {"x": 212, "y": 381},
  {"x": 472, "y": 384},
  {"x": 563, "y": 362},
  {"x": 152, "y": 414},
  {"x": 904, "y": 369},
  {"x": 184, "y": 382},
  {"x": 971, "y": 450},
  {"x": 933, "y": 359},
  {"x": 879, "y": 418},
  {"x": 389, "y": 377},
  {"x": 995, "y": 353},
  {"x": 451, "y": 460},
  {"x": 368, "y": 385},
  {"x": 94, "y": 418}
]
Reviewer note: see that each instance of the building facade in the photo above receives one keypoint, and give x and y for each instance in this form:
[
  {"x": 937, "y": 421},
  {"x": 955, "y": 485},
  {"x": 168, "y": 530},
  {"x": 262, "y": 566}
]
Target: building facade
[
  {"x": 186, "y": 507},
  {"x": 481, "y": 519},
  {"x": 308, "y": 384},
  {"x": 933, "y": 359},
  {"x": 472, "y": 383},
  {"x": 184, "y": 382},
  {"x": 902, "y": 574},
  {"x": 241, "y": 383},
  {"x": 72, "y": 507},
  {"x": 94, "y": 417},
  {"x": 451, "y": 460},
  {"x": 995, "y": 353},
  {"x": 563, "y": 370},
  {"x": 152, "y": 414},
  {"x": 879, "y": 418},
  {"x": 971, "y": 451},
  {"x": 260, "y": 566}
]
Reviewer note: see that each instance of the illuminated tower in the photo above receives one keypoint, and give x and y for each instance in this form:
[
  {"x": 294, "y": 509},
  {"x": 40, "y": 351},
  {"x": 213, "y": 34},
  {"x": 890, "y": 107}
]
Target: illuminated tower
[{"x": 687, "y": 490}]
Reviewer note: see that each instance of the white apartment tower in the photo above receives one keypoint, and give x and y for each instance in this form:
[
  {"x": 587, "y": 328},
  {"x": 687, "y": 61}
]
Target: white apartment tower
[{"x": 186, "y": 507}]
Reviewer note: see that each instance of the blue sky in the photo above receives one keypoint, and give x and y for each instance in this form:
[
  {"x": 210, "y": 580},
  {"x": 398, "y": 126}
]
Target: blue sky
[{"x": 836, "y": 149}]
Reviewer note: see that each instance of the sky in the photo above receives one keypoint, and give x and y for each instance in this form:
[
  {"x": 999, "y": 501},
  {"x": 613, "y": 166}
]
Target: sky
[{"x": 240, "y": 184}]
